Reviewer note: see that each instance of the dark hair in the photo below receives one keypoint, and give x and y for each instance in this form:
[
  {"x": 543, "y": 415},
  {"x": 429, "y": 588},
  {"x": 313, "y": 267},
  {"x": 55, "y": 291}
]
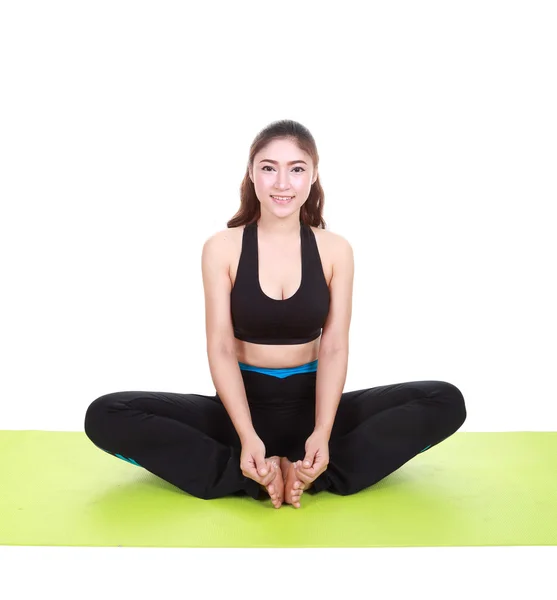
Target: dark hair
[{"x": 250, "y": 208}]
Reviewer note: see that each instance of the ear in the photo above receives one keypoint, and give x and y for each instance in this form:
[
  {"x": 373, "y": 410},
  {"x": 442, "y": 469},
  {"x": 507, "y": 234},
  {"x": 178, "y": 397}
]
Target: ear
[{"x": 315, "y": 177}]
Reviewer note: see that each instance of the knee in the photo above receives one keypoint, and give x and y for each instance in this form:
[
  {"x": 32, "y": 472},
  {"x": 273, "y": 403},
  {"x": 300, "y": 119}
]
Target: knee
[
  {"x": 98, "y": 414},
  {"x": 455, "y": 400}
]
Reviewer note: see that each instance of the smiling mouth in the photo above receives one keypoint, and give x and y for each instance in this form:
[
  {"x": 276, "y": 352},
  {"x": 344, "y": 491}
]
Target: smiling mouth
[{"x": 282, "y": 199}]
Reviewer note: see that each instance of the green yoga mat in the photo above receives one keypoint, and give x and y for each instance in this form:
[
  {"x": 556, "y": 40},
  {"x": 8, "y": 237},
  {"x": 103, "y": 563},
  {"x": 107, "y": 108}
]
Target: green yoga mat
[{"x": 473, "y": 489}]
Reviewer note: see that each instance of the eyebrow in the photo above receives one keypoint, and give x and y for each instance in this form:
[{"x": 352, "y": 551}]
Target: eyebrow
[{"x": 292, "y": 162}]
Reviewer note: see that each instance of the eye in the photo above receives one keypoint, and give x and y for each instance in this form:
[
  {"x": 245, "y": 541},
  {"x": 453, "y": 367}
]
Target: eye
[{"x": 269, "y": 167}]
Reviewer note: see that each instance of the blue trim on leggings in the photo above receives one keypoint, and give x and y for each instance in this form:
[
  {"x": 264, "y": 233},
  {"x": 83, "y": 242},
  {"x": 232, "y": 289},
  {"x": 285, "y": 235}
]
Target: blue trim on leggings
[
  {"x": 130, "y": 460},
  {"x": 310, "y": 367}
]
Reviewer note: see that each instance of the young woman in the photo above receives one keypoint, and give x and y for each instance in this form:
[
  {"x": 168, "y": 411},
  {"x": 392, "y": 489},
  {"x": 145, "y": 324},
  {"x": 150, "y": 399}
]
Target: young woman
[{"x": 278, "y": 304}]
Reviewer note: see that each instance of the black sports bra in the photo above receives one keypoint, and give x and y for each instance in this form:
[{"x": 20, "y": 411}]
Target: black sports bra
[{"x": 260, "y": 319}]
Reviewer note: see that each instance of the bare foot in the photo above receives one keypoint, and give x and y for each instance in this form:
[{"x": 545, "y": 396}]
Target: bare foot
[
  {"x": 293, "y": 487},
  {"x": 276, "y": 488}
]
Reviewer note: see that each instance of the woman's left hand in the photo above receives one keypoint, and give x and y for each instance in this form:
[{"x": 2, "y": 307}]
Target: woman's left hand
[{"x": 316, "y": 459}]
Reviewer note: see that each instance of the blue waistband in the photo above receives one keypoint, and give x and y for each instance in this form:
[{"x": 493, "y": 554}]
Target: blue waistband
[{"x": 309, "y": 367}]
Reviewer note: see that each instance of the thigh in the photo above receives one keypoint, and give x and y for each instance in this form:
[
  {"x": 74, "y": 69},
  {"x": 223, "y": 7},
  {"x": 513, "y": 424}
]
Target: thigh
[
  {"x": 359, "y": 405},
  {"x": 202, "y": 412}
]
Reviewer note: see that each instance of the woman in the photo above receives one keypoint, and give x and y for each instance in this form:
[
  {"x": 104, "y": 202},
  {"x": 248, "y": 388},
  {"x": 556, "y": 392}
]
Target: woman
[{"x": 278, "y": 304}]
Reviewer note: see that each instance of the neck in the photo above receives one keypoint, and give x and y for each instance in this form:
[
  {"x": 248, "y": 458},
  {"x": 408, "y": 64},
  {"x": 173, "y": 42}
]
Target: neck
[{"x": 279, "y": 228}]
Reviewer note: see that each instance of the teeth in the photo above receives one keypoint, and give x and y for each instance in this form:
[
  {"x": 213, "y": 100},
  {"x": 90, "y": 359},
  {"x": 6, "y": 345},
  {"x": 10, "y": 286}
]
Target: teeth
[{"x": 283, "y": 197}]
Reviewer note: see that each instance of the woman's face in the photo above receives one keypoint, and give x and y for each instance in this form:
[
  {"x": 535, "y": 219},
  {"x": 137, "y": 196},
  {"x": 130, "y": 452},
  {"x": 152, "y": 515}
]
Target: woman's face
[{"x": 279, "y": 178}]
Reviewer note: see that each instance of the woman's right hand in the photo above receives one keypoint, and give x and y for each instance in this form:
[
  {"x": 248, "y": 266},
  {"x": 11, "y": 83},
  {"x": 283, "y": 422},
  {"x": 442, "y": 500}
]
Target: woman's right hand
[{"x": 253, "y": 463}]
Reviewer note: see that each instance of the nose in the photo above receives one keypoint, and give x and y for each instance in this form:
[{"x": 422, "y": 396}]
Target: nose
[{"x": 281, "y": 182}]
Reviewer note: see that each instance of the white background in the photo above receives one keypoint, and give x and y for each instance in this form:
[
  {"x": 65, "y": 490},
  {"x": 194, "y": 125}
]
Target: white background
[{"x": 124, "y": 136}]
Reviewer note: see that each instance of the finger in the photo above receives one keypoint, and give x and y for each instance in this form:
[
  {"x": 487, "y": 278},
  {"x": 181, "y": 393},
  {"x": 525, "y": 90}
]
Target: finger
[
  {"x": 269, "y": 468},
  {"x": 305, "y": 478},
  {"x": 273, "y": 470},
  {"x": 254, "y": 473},
  {"x": 305, "y": 469},
  {"x": 309, "y": 472},
  {"x": 318, "y": 465},
  {"x": 271, "y": 477},
  {"x": 308, "y": 459},
  {"x": 310, "y": 475}
]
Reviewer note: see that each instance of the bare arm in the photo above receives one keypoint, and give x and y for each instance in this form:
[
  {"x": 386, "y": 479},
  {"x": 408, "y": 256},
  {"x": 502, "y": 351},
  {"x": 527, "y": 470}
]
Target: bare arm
[
  {"x": 230, "y": 388},
  {"x": 333, "y": 349},
  {"x": 223, "y": 364}
]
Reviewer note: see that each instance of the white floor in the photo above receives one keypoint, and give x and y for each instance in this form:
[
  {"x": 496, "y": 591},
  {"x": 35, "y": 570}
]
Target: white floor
[{"x": 410, "y": 573}]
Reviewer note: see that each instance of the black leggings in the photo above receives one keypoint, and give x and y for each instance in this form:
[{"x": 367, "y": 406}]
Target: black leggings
[{"x": 189, "y": 439}]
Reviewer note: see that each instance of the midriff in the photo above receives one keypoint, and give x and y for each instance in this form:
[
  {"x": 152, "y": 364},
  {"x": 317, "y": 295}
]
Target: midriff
[
  {"x": 279, "y": 277},
  {"x": 276, "y": 357}
]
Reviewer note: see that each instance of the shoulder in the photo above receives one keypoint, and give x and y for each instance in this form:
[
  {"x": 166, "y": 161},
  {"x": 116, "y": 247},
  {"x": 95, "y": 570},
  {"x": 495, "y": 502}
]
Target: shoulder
[
  {"x": 223, "y": 248},
  {"x": 224, "y": 240},
  {"x": 330, "y": 237},
  {"x": 337, "y": 246}
]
